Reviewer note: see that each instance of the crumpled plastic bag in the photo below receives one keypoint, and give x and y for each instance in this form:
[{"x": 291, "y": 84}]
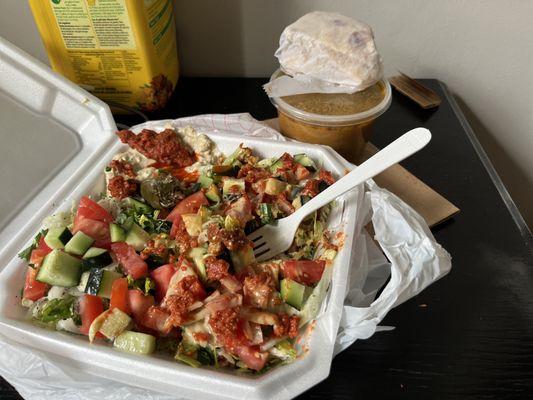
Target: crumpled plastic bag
[
  {"x": 413, "y": 261},
  {"x": 326, "y": 52}
]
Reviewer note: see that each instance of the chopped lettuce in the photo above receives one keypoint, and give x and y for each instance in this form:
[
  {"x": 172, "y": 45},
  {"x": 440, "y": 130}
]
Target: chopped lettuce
[
  {"x": 239, "y": 156},
  {"x": 313, "y": 303},
  {"x": 59, "y": 220},
  {"x": 265, "y": 213},
  {"x": 284, "y": 350},
  {"x": 187, "y": 353}
]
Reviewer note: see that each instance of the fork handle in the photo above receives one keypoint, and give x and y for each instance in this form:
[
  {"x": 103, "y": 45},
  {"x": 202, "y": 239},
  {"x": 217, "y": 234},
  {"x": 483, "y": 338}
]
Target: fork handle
[{"x": 407, "y": 144}]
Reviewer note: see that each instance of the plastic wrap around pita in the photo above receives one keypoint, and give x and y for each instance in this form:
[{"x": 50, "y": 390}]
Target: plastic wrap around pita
[{"x": 326, "y": 53}]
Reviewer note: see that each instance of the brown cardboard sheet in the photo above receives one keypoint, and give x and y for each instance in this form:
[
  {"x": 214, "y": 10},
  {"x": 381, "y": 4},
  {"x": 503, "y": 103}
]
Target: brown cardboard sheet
[{"x": 432, "y": 206}]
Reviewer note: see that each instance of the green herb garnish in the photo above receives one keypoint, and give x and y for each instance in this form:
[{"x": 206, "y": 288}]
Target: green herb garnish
[
  {"x": 26, "y": 253},
  {"x": 57, "y": 309}
]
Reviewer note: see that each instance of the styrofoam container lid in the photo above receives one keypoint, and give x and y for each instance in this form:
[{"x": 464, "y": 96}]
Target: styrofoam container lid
[
  {"x": 58, "y": 139},
  {"x": 52, "y": 131}
]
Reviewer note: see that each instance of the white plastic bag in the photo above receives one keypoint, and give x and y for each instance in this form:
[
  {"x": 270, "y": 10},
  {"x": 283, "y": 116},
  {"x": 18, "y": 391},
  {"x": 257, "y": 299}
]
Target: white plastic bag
[
  {"x": 416, "y": 261},
  {"x": 325, "y": 52}
]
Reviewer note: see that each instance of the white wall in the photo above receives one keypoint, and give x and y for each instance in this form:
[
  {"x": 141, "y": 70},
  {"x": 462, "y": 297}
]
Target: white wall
[{"x": 483, "y": 50}]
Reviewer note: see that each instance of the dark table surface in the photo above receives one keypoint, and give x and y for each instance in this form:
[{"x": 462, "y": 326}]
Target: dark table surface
[{"x": 469, "y": 335}]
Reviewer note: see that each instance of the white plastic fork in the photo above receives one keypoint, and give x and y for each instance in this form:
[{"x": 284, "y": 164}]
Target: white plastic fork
[{"x": 271, "y": 240}]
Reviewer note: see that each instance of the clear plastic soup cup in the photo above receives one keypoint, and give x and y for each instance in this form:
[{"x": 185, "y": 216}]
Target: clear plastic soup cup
[{"x": 347, "y": 134}]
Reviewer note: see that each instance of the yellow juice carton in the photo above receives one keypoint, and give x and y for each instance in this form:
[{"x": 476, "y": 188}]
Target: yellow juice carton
[{"x": 122, "y": 51}]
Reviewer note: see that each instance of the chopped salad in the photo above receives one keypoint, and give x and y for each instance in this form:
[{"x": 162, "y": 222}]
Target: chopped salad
[{"x": 161, "y": 261}]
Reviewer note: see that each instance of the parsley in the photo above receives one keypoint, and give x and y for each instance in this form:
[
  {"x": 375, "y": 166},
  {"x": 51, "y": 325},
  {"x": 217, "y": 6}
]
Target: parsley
[
  {"x": 205, "y": 356},
  {"x": 26, "y": 253},
  {"x": 192, "y": 189},
  {"x": 148, "y": 221},
  {"x": 167, "y": 345},
  {"x": 57, "y": 309},
  {"x": 146, "y": 285}
]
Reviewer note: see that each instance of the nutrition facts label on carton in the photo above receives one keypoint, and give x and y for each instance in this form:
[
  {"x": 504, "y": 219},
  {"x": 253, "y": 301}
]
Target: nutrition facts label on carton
[
  {"x": 94, "y": 24},
  {"x": 123, "y": 51}
]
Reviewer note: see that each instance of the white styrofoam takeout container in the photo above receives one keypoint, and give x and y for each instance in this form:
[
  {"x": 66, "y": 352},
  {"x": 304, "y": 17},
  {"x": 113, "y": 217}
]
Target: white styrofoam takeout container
[{"x": 76, "y": 131}]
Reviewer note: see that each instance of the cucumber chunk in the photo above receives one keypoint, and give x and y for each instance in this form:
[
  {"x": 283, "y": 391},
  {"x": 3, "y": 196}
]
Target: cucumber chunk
[
  {"x": 274, "y": 186},
  {"x": 297, "y": 202},
  {"x": 100, "y": 282},
  {"x": 139, "y": 206},
  {"x": 276, "y": 165},
  {"x": 95, "y": 257},
  {"x": 266, "y": 163},
  {"x": 60, "y": 269},
  {"x": 137, "y": 237},
  {"x": 193, "y": 223},
  {"x": 242, "y": 258},
  {"x": 115, "y": 323},
  {"x": 292, "y": 293},
  {"x": 265, "y": 213},
  {"x": 213, "y": 194},
  {"x": 135, "y": 343},
  {"x": 205, "y": 181},
  {"x": 306, "y": 161},
  {"x": 197, "y": 255},
  {"x": 232, "y": 186},
  {"x": 204, "y": 213},
  {"x": 57, "y": 238},
  {"x": 225, "y": 170},
  {"x": 79, "y": 244},
  {"x": 117, "y": 233}
]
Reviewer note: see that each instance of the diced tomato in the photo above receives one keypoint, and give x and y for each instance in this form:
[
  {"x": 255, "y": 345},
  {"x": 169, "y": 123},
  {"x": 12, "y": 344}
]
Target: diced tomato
[
  {"x": 90, "y": 308},
  {"x": 310, "y": 188},
  {"x": 33, "y": 289},
  {"x": 139, "y": 303},
  {"x": 241, "y": 210},
  {"x": 251, "y": 356},
  {"x": 119, "y": 295},
  {"x": 190, "y": 284},
  {"x": 177, "y": 226},
  {"x": 305, "y": 272},
  {"x": 155, "y": 318},
  {"x": 195, "y": 287},
  {"x": 326, "y": 176},
  {"x": 183, "y": 175},
  {"x": 189, "y": 205},
  {"x": 300, "y": 172},
  {"x": 131, "y": 262},
  {"x": 98, "y": 230},
  {"x": 43, "y": 246},
  {"x": 162, "y": 276},
  {"x": 284, "y": 204},
  {"x": 163, "y": 214},
  {"x": 37, "y": 256},
  {"x": 92, "y": 210}
]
